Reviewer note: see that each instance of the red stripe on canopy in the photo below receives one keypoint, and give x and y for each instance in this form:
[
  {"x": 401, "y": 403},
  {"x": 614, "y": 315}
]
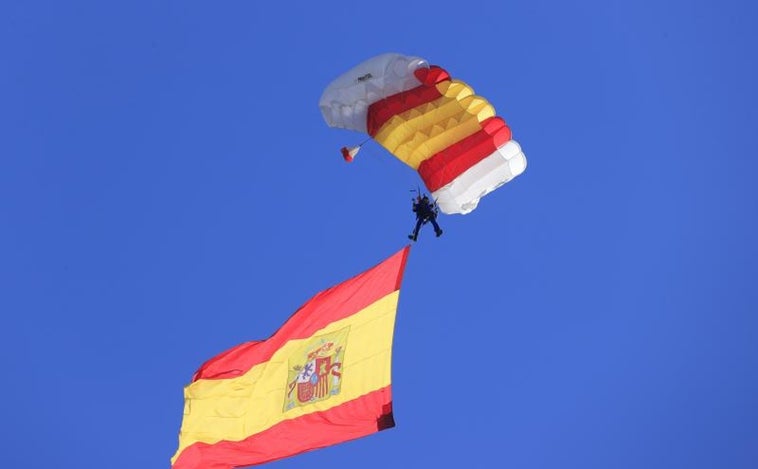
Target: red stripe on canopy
[
  {"x": 382, "y": 111},
  {"x": 432, "y": 75},
  {"x": 441, "y": 168}
]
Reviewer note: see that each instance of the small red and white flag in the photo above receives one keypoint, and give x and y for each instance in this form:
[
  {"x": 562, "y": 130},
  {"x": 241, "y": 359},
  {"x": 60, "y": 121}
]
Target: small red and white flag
[{"x": 349, "y": 153}]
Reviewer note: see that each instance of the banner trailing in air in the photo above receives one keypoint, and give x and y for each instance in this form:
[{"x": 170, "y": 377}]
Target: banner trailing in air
[
  {"x": 321, "y": 379},
  {"x": 431, "y": 122}
]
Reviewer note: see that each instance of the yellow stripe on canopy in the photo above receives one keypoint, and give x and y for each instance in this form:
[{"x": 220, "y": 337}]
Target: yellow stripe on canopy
[{"x": 421, "y": 132}]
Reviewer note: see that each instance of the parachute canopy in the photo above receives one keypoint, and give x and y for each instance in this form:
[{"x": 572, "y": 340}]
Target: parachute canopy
[{"x": 429, "y": 121}]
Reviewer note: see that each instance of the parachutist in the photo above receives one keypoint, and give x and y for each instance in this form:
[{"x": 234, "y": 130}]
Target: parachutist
[
  {"x": 423, "y": 116},
  {"x": 426, "y": 211}
]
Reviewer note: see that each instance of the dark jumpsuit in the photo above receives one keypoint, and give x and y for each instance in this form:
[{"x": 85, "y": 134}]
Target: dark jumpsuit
[{"x": 424, "y": 213}]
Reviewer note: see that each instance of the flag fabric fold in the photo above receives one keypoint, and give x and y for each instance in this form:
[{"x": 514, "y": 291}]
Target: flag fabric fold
[{"x": 323, "y": 378}]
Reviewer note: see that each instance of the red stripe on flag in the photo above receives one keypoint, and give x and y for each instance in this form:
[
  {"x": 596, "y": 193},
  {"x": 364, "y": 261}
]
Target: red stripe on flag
[
  {"x": 363, "y": 416},
  {"x": 440, "y": 169},
  {"x": 382, "y": 111},
  {"x": 333, "y": 304}
]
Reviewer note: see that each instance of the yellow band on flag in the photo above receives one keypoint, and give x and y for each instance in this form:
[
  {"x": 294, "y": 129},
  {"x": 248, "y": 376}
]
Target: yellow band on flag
[{"x": 322, "y": 378}]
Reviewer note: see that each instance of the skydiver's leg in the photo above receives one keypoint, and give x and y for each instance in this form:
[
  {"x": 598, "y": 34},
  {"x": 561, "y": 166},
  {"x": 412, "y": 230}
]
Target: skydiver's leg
[
  {"x": 419, "y": 222},
  {"x": 437, "y": 229},
  {"x": 415, "y": 230}
]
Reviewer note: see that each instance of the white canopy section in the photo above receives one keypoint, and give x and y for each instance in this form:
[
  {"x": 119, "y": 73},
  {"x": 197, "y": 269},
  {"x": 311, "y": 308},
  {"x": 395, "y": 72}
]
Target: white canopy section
[
  {"x": 345, "y": 101},
  {"x": 463, "y": 193}
]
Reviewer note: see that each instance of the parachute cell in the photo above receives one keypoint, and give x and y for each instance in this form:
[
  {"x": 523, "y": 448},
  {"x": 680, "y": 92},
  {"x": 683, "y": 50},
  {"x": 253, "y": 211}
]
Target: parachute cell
[{"x": 436, "y": 125}]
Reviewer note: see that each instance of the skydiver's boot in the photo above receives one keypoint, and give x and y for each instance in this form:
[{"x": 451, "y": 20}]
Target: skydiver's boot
[
  {"x": 412, "y": 237},
  {"x": 438, "y": 232}
]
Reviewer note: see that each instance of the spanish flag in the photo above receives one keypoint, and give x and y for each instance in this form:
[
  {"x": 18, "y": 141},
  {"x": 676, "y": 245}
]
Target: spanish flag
[{"x": 323, "y": 378}]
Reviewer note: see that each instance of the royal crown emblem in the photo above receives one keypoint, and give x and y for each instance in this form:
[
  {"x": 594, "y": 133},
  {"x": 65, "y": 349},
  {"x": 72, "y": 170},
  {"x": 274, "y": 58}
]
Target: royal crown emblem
[{"x": 315, "y": 371}]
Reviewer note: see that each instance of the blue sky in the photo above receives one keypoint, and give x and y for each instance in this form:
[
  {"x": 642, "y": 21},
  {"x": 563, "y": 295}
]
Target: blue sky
[{"x": 168, "y": 189}]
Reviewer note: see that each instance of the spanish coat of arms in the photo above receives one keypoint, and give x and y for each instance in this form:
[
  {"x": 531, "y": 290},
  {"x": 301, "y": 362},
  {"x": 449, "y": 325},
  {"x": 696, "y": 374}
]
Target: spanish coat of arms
[{"x": 315, "y": 372}]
